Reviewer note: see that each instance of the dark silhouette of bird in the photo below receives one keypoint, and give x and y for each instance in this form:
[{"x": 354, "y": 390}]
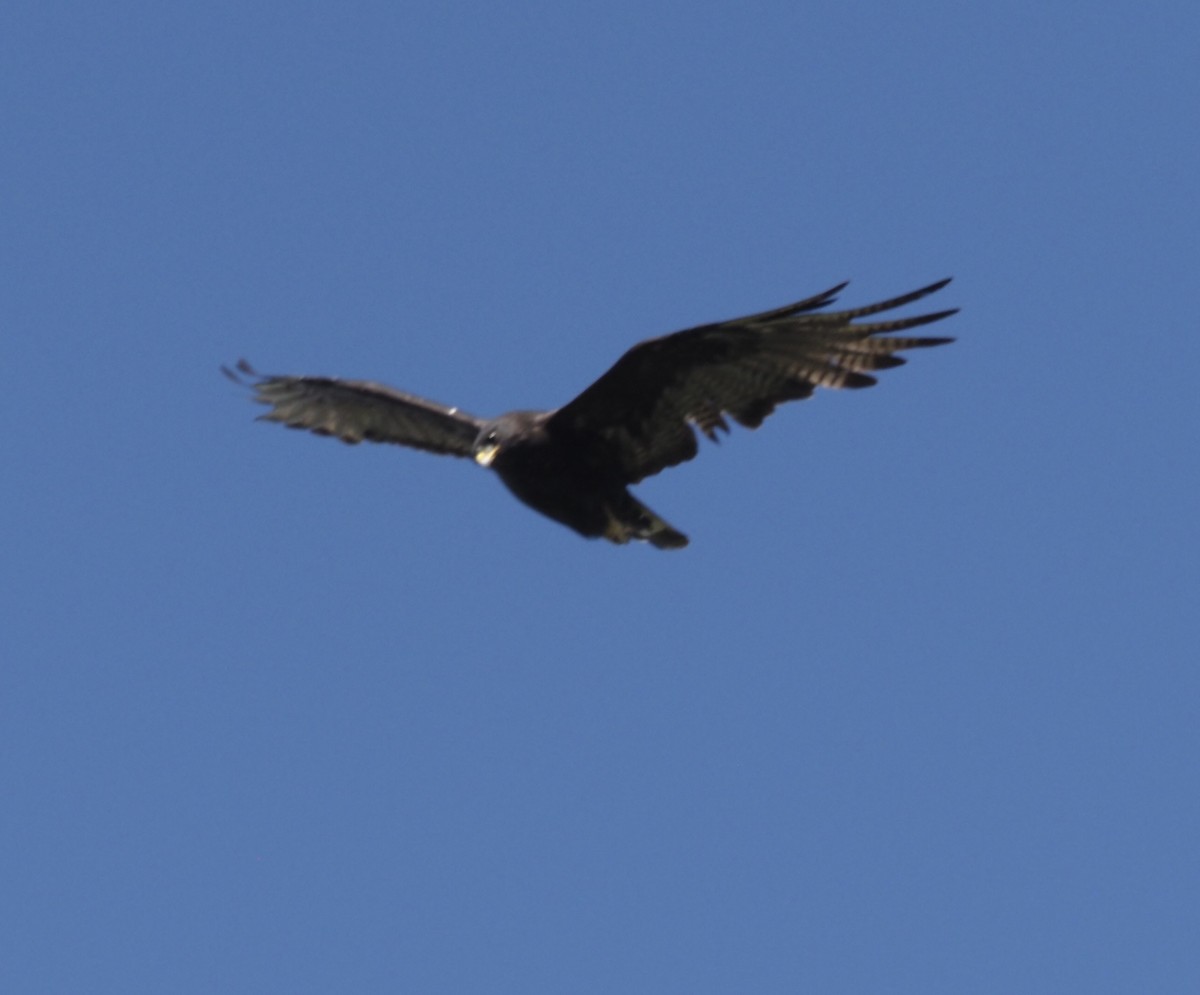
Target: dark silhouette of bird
[{"x": 575, "y": 463}]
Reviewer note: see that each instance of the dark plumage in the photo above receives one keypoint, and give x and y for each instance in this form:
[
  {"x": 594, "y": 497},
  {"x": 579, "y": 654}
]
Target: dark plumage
[{"x": 574, "y": 464}]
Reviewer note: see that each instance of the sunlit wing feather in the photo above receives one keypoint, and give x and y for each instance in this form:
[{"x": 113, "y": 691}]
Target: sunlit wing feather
[
  {"x": 355, "y": 410},
  {"x": 644, "y": 408}
]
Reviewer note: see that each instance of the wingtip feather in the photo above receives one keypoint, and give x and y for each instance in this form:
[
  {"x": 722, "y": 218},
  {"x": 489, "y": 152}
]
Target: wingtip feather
[{"x": 240, "y": 370}]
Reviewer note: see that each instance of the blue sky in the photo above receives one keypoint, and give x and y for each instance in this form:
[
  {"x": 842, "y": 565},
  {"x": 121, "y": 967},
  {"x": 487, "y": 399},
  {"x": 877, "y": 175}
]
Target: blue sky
[{"x": 915, "y": 712}]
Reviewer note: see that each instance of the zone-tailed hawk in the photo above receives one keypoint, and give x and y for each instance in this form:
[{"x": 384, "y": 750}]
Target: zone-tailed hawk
[{"x": 574, "y": 464}]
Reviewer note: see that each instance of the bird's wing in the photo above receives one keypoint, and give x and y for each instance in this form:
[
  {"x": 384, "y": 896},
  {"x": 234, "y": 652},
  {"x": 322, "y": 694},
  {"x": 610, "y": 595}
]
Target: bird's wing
[
  {"x": 354, "y": 410},
  {"x": 642, "y": 410}
]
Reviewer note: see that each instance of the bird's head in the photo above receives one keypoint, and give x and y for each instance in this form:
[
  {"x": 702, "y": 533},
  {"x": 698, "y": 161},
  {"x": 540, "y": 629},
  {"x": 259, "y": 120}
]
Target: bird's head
[
  {"x": 487, "y": 445},
  {"x": 512, "y": 429}
]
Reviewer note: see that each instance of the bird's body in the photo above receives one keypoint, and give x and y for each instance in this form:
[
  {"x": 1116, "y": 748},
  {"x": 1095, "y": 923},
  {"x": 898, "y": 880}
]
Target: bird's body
[
  {"x": 562, "y": 478},
  {"x": 574, "y": 464}
]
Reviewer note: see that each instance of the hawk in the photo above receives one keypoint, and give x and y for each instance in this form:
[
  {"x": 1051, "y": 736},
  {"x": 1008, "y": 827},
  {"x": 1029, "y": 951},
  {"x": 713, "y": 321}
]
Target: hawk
[{"x": 575, "y": 464}]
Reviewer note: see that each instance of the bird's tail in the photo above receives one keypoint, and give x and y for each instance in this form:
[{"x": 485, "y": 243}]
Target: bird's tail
[{"x": 630, "y": 519}]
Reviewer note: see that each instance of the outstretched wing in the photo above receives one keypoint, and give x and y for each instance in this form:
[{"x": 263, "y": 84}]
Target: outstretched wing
[
  {"x": 354, "y": 410},
  {"x": 641, "y": 412}
]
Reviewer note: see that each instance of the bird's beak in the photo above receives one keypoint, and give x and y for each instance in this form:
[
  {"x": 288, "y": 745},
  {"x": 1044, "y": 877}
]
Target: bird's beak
[{"x": 485, "y": 454}]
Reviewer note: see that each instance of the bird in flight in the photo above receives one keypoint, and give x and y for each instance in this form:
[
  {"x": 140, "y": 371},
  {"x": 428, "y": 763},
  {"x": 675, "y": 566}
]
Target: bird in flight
[{"x": 574, "y": 464}]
